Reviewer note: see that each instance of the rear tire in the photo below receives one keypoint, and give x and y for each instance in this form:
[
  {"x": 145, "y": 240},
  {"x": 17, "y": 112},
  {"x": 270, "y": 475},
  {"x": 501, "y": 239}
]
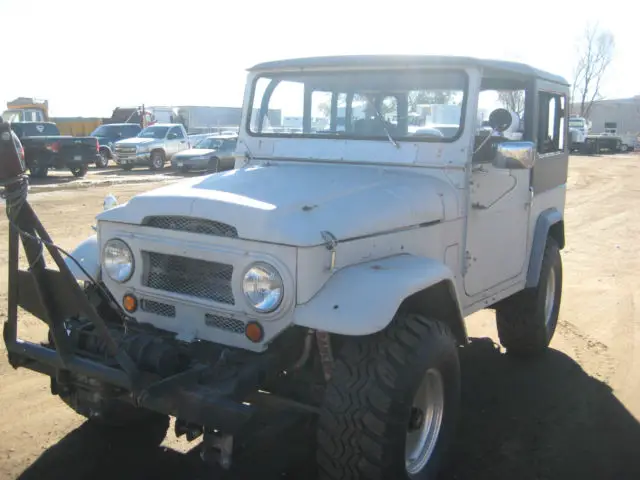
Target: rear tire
[
  {"x": 372, "y": 403},
  {"x": 527, "y": 321},
  {"x": 79, "y": 172}
]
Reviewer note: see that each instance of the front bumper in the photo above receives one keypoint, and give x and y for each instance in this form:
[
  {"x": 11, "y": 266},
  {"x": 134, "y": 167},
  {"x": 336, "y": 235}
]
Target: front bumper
[
  {"x": 189, "y": 162},
  {"x": 133, "y": 159}
]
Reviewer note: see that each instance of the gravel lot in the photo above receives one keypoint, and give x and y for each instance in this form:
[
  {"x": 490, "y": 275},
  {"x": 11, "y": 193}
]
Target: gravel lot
[{"x": 569, "y": 415}]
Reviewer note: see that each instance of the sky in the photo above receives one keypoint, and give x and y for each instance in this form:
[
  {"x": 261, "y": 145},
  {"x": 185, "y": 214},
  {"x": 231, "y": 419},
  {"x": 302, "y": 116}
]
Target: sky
[{"x": 87, "y": 57}]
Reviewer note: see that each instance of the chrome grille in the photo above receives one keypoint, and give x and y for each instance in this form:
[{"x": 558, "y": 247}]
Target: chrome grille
[
  {"x": 188, "y": 276},
  {"x": 224, "y": 323},
  {"x": 157, "y": 308},
  {"x": 190, "y": 224},
  {"x": 128, "y": 150}
]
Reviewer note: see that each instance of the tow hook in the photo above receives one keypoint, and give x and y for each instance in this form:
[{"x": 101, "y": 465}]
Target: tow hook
[{"x": 217, "y": 448}]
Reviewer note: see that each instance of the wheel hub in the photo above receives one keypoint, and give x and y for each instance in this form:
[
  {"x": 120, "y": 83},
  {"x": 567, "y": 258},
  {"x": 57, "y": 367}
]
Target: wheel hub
[
  {"x": 425, "y": 422},
  {"x": 416, "y": 420},
  {"x": 549, "y": 300}
]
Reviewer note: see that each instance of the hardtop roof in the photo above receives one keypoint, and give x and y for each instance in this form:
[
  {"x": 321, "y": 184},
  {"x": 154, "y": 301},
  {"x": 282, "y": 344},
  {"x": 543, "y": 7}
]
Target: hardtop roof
[{"x": 369, "y": 61}]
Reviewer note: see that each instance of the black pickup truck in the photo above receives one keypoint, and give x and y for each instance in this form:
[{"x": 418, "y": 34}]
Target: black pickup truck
[{"x": 45, "y": 148}]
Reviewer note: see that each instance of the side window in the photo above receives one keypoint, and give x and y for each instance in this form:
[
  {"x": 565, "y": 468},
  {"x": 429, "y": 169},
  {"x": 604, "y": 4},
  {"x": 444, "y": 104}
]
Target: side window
[
  {"x": 551, "y": 122},
  {"x": 175, "y": 132}
]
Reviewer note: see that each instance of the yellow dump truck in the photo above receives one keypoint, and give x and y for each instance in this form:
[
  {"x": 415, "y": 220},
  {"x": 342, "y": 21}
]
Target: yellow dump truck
[{"x": 25, "y": 109}]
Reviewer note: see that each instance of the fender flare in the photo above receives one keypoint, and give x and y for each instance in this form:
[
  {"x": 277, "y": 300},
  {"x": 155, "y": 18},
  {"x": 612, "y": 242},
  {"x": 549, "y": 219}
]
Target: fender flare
[
  {"x": 107, "y": 148},
  {"x": 87, "y": 254},
  {"x": 363, "y": 299},
  {"x": 550, "y": 222}
]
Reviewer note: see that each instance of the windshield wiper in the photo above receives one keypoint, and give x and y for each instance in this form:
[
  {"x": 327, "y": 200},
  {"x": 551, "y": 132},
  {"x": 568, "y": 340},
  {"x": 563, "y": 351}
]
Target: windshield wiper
[{"x": 384, "y": 125}]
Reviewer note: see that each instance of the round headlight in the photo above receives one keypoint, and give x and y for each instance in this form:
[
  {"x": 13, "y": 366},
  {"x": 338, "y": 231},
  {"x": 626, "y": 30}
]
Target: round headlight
[
  {"x": 262, "y": 286},
  {"x": 118, "y": 260}
]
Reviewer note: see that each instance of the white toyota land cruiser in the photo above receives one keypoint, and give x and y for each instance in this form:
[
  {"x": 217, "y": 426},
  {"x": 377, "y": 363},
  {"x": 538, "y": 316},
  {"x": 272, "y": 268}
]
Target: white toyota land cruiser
[{"x": 329, "y": 273}]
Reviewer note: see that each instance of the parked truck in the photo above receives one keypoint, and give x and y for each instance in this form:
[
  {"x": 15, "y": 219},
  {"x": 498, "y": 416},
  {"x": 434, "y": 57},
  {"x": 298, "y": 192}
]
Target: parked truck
[{"x": 45, "y": 149}]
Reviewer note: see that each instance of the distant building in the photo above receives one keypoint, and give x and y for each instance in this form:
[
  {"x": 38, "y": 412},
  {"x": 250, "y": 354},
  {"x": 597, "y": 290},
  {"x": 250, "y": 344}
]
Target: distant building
[
  {"x": 201, "y": 118},
  {"x": 616, "y": 116}
]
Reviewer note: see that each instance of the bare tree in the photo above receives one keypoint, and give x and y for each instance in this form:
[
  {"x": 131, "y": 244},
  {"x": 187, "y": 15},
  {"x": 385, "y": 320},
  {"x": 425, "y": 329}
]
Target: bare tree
[
  {"x": 595, "y": 53},
  {"x": 512, "y": 100}
]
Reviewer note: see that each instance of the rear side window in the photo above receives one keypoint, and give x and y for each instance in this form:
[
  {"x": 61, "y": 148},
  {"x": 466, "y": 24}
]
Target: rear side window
[{"x": 35, "y": 129}]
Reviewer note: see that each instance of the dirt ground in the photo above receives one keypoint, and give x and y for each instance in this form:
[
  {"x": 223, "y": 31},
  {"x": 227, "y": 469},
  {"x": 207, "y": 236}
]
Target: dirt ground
[{"x": 572, "y": 414}]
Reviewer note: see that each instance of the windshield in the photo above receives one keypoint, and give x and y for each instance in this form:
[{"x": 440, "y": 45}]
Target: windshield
[
  {"x": 358, "y": 105},
  {"x": 208, "y": 143},
  {"x": 106, "y": 131},
  {"x": 153, "y": 132},
  {"x": 576, "y": 123}
]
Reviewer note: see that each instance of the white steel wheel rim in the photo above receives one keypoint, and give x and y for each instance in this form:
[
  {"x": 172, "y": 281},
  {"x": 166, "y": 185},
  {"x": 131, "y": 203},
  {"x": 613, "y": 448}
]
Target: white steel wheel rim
[
  {"x": 421, "y": 441},
  {"x": 550, "y": 296}
]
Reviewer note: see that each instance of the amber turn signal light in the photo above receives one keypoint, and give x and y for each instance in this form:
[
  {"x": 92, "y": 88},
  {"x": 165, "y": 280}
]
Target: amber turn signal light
[
  {"x": 130, "y": 303},
  {"x": 254, "y": 332}
]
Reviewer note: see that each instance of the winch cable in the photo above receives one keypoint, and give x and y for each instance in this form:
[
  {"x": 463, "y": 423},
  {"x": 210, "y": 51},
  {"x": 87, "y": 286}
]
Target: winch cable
[{"x": 15, "y": 200}]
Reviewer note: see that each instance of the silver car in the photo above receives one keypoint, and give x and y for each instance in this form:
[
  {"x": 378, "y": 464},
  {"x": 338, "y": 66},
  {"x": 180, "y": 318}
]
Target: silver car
[{"x": 213, "y": 153}]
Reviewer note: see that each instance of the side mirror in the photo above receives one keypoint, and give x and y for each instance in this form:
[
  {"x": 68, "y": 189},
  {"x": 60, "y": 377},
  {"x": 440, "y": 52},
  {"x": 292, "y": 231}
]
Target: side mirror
[
  {"x": 514, "y": 155},
  {"x": 110, "y": 202}
]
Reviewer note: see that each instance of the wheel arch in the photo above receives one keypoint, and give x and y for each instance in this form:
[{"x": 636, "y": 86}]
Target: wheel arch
[
  {"x": 438, "y": 301},
  {"x": 550, "y": 223},
  {"x": 363, "y": 299}
]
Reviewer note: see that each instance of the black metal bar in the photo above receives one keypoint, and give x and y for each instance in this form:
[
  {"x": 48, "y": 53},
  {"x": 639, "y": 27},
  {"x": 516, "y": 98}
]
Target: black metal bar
[
  {"x": 75, "y": 363},
  {"x": 34, "y": 252},
  {"x": 85, "y": 306},
  {"x": 10, "y": 331}
]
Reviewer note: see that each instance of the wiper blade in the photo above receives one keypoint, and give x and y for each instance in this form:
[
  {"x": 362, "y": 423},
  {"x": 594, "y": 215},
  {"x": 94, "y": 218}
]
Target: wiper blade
[{"x": 384, "y": 125}]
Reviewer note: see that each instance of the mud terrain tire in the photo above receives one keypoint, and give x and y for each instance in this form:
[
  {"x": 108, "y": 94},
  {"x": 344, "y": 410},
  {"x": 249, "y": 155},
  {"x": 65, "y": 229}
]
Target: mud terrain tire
[
  {"x": 526, "y": 323},
  {"x": 368, "y": 405}
]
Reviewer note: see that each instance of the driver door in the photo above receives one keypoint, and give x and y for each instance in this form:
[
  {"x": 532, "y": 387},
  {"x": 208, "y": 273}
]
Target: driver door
[
  {"x": 497, "y": 223},
  {"x": 173, "y": 142}
]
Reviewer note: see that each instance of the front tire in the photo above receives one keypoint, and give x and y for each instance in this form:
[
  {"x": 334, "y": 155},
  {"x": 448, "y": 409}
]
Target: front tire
[
  {"x": 214, "y": 165},
  {"x": 527, "y": 321},
  {"x": 103, "y": 161},
  {"x": 391, "y": 406},
  {"x": 157, "y": 160},
  {"x": 149, "y": 431}
]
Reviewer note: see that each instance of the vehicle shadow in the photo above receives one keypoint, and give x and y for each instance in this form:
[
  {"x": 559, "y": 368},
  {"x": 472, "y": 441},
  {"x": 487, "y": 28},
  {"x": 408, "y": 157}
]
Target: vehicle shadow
[
  {"x": 538, "y": 419},
  {"x": 138, "y": 172},
  {"x": 53, "y": 179}
]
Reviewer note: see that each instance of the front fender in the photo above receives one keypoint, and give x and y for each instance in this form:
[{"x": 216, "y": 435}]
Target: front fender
[
  {"x": 363, "y": 299},
  {"x": 87, "y": 254}
]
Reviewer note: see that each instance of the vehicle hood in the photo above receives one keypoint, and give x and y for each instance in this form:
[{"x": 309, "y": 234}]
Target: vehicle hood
[
  {"x": 195, "y": 152},
  {"x": 137, "y": 141},
  {"x": 292, "y": 203}
]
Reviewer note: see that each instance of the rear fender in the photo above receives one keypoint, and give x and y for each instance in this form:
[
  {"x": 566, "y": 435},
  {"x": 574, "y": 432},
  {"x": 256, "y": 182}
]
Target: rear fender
[
  {"x": 87, "y": 254},
  {"x": 550, "y": 223},
  {"x": 363, "y": 299}
]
